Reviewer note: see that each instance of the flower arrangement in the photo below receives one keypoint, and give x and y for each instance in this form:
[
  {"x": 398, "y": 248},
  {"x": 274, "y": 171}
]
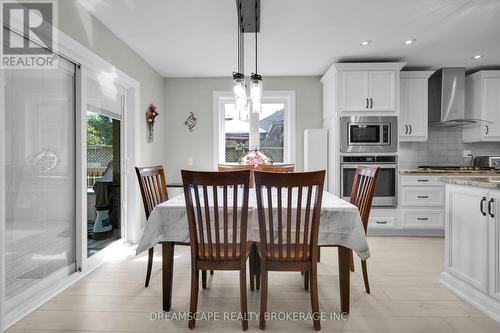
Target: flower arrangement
[{"x": 256, "y": 157}]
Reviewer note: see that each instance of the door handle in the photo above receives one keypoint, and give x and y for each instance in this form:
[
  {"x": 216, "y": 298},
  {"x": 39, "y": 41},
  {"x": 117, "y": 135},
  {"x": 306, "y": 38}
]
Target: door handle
[
  {"x": 381, "y": 222},
  {"x": 411, "y": 129},
  {"x": 487, "y": 129},
  {"x": 367, "y": 103},
  {"x": 423, "y": 196},
  {"x": 422, "y": 218},
  {"x": 422, "y": 180},
  {"x": 490, "y": 203},
  {"x": 481, "y": 206},
  {"x": 406, "y": 129},
  {"x": 371, "y": 103}
]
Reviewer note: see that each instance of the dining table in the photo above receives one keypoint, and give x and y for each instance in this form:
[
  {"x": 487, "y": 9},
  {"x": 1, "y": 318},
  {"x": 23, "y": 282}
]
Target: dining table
[{"x": 340, "y": 226}]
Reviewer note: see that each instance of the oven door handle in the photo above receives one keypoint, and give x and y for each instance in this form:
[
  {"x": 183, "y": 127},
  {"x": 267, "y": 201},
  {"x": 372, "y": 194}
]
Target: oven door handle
[{"x": 355, "y": 165}]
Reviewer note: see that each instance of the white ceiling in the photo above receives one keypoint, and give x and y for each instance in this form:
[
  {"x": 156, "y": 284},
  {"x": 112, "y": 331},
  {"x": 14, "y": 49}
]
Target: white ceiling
[{"x": 193, "y": 38}]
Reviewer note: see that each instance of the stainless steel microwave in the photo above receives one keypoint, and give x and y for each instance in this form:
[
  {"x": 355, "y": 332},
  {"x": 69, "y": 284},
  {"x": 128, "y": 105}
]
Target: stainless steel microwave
[{"x": 369, "y": 134}]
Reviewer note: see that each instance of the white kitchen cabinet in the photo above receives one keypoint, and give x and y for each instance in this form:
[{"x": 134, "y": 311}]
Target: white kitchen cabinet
[
  {"x": 483, "y": 102},
  {"x": 366, "y": 87},
  {"x": 494, "y": 243},
  {"x": 466, "y": 232},
  {"x": 368, "y": 91},
  {"x": 355, "y": 91},
  {"x": 413, "y": 110},
  {"x": 382, "y": 90},
  {"x": 423, "y": 218},
  {"x": 421, "y": 196}
]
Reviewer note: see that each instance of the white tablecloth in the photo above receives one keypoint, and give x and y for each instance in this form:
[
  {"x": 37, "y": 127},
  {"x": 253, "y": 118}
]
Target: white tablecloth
[{"x": 340, "y": 223}]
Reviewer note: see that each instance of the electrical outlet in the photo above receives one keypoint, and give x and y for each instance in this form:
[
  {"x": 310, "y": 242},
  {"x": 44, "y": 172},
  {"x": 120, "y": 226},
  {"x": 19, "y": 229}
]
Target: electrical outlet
[
  {"x": 467, "y": 153},
  {"x": 190, "y": 161}
]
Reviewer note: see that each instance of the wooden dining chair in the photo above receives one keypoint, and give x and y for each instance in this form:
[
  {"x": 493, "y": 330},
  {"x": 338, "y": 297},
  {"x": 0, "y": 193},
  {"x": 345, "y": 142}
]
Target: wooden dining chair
[
  {"x": 238, "y": 167},
  {"x": 290, "y": 242},
  {"x": 153, "y": 191},
  {"x": 280, "y": 168},
  {"x": 363, "y": 189},
  {"x": 217, "y": 218}
]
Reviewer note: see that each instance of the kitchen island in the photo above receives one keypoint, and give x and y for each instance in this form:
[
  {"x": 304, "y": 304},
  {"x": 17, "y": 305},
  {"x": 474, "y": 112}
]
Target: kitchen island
[{"x": 472, "y": 241}]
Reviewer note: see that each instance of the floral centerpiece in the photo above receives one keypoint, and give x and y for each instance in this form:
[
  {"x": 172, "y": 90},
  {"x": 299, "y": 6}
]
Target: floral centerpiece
[{"x": 256, "y": 157}]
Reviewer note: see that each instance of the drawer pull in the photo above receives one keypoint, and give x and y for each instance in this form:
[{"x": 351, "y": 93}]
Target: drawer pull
[
  {"x": 381, "y": 222},
  {"x": 423, "y": 197},
  {"x": 422, "y": 180},
  {"x": 422, "y": 218}
]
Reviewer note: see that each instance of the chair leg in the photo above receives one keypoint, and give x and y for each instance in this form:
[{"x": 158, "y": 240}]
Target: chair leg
[
  {"x": 314, "y": 297},
  {"x": 319, "y": 254},
  {"x": 150, "y": 266},
  {"x": 263, "y": 298},
  {"x": 257, "y": 270},
  {"x": 352, "y": 261},
  {"x": 193, "y": 305},
  {"x": 243, "y": 297},
  {"x": 306, "y": 280},
  {"x": 204, "y": 279},
  {"x": 365, "y": 276}
]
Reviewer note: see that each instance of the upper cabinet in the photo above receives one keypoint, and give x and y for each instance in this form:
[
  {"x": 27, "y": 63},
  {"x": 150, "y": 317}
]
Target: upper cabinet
[
  {"x": 368, "y": 91},
  {"x": 413, "y": 109},
  {"x": 363, "y": 87},
  {"x": 482, "y": 101}
]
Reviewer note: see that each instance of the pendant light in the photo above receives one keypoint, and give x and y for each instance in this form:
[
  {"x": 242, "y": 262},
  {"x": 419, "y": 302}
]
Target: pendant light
[
  {"x": 239, "y": 86},
  {"x": 256, "y": 85}
]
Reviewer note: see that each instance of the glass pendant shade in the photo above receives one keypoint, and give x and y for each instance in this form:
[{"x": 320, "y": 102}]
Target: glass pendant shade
[
  {"x": 240, "y": 95},
  {"x": 256, "y": 92}
]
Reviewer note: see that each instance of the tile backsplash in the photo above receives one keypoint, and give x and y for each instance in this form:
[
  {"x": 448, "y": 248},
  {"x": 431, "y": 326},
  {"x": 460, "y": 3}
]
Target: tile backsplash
[{"x": 443, "y": 147}]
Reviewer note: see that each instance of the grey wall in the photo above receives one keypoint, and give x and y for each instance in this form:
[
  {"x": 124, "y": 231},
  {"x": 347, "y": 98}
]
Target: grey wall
[
  {"x": 444, "y": 147},
  {"x": 184, "y": 95},
  {"x": 78, "y": 23}
]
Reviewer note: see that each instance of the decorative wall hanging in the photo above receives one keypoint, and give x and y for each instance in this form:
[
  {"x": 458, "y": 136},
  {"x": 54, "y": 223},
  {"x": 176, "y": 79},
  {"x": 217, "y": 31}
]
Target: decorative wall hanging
[
  {"x": 191, "y": 121},
  {"x": 151, "y": 114}
]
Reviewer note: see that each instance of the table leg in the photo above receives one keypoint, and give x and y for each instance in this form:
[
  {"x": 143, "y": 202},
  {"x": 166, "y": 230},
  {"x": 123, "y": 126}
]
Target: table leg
[
  {"x": 167, "y": 274},
  {"x": 344, "y": 277}
]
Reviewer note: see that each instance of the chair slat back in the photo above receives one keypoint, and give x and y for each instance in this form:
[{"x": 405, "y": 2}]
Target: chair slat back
[
  {"x": 363, "y": 189},
  {"x": 217, "y": 211},
  {"x": 238, "y": 167},
  {"x": 279, "y": 168},
  {"x": 289, "y": 206},
  {"x": 153, "y": 186}
]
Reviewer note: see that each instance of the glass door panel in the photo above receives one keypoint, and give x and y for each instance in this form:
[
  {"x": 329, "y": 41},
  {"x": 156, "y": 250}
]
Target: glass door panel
[{"x": 40, "y": 177}]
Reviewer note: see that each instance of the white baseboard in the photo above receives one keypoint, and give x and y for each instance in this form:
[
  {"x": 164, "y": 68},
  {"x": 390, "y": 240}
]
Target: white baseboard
[
  {"x": 405, "y": 232},
  {"x": 471, "y": 295}
]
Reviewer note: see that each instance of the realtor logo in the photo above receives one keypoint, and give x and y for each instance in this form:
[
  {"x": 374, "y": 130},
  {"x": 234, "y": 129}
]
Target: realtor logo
[{"x": 28, "y": 34}]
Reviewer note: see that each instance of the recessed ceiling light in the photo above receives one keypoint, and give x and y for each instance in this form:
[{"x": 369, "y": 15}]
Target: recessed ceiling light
[
  {"x": 477, "y": 56},
  {"x": 366, "y": 42},
  {"x": 410, "y": 41}
]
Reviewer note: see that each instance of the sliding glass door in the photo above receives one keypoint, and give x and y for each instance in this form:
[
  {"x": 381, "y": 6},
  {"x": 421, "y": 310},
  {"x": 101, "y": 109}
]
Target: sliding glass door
[{"x": 40, "y": 238}]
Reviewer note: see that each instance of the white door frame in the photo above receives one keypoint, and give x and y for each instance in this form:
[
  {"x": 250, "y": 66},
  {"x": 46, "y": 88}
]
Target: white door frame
[{"x": 88, "y": 62}]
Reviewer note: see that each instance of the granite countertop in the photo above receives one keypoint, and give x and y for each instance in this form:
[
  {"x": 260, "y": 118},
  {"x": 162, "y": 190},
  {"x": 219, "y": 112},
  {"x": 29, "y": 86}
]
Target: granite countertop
[
  {"x": 464, "y": 170},
  {"x": 477, "y": 181}
]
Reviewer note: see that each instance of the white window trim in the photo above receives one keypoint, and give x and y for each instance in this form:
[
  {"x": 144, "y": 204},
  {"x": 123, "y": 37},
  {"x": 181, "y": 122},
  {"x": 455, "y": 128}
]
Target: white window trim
[{"x": 275, "y": 96}]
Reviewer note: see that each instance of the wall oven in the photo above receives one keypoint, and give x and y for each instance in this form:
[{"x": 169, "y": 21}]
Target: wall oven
[
  {"x": 386, "y": 189},
  {"x": 369, "y": 134}
]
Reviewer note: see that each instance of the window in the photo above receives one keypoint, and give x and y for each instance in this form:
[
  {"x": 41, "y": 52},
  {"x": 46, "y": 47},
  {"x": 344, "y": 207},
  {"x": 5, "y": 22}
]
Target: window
[{"x": 271, "y": 131}]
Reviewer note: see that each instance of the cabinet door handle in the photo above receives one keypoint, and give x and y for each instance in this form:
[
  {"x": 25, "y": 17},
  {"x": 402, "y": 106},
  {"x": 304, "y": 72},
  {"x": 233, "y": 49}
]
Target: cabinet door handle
[
  {"x": 406, "y": 129},
  {"x": 381, "y": 222},
  {"x": 422, "y": 218},
  {"x": 411, "y": 129},
  {"x": 481, "y": 206},
  {"x": 371, "y": 103},
  {"x": 490, "y": 204},
  {"x": 487, "y": 129},
  {"x": 423, "y": 196},
  {"x": 422, "y": 180},
  {"x": 367, "y": 103}
]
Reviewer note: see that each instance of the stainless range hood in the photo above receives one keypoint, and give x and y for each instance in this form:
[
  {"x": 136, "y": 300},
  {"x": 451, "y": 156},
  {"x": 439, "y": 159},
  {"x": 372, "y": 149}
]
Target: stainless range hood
[{"x": 447, "y": 99}]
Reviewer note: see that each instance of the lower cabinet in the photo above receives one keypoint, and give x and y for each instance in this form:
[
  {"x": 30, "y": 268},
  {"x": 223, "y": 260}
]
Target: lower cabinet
[
  {"x": 472, "y": 246},
  {"x": 422, "y": 218}
]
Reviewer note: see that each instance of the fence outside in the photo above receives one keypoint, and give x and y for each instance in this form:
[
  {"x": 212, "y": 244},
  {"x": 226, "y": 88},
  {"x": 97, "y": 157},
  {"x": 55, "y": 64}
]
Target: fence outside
[{"x": 98, "y": 158}]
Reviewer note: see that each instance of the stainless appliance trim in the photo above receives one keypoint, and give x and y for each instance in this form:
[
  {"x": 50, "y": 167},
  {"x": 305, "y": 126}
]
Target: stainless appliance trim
[{"x": 347, "y": 146}]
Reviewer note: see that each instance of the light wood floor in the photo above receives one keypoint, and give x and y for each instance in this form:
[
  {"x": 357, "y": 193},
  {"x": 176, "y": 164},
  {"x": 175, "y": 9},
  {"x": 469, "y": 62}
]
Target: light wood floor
[{"x": 406, "y": 296}]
